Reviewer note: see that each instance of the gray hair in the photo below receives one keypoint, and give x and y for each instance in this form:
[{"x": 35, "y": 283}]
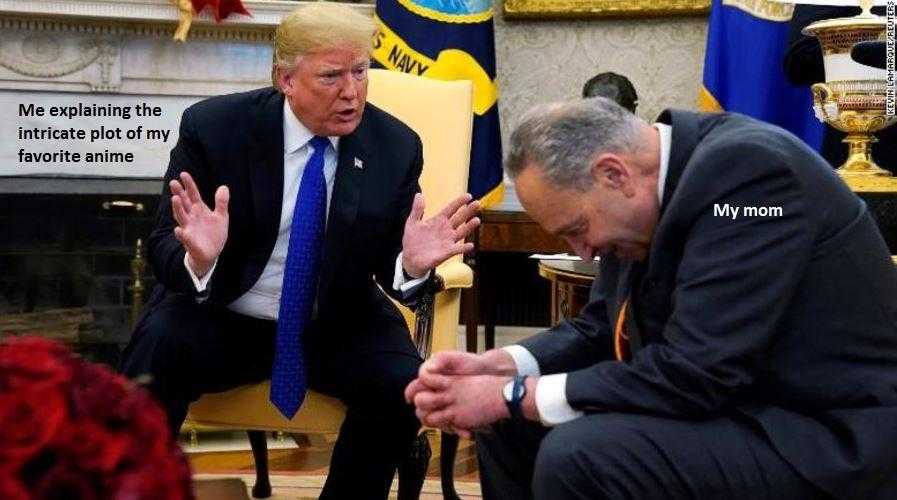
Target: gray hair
[{"x": 563, "y": 138}]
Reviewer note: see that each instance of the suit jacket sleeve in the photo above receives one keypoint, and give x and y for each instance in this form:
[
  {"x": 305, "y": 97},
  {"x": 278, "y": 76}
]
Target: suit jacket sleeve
[
  {"x": 578, "y": 342},
  {"x": 165, "y": 252},
  {"x": 404, "y": 197},
  {"x": 734, "y": 281}
]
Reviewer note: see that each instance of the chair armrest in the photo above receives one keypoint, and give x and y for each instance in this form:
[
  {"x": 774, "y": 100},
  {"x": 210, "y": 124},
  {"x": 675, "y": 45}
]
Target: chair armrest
[
  {"x": 449, "y": 276},
  {"x": 455, "y": 274}
]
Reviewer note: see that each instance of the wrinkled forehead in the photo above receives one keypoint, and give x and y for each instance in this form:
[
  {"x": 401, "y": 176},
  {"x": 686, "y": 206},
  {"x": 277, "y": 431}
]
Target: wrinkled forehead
[
  {"x": 552, "y": 207},
  {"x": 332, "y": 60},
  {"x": 343, "y": 51}
]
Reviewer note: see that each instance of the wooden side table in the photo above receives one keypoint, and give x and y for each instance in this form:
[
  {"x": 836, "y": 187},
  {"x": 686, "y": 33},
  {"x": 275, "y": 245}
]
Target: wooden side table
[
  {"x": 500, "y": 231},
  {"x": 571, "y": 281}
]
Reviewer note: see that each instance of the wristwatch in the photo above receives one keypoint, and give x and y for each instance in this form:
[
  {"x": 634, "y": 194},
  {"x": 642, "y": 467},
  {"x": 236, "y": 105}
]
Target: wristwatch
[{"x": 513, "y": 394}]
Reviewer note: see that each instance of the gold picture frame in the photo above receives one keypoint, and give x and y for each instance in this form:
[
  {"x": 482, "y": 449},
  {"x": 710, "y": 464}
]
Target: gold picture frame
[{"x": 579, "y": 9}]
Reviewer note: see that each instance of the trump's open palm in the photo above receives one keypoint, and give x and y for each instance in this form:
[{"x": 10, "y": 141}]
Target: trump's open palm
[
  {"x": 428, "y": 243},
  {"x": 201, "y": 230}
]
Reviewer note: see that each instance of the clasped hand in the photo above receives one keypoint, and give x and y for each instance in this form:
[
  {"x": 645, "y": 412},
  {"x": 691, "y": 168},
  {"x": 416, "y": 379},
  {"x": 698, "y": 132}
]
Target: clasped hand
[{"x": 460, "y": 392}]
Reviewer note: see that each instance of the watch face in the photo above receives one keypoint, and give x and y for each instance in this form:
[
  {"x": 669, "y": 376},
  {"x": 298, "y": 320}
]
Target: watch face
[{"x": 507, "y": 391}]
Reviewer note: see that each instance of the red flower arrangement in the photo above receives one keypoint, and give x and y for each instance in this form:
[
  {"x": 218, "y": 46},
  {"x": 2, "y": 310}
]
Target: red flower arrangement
[{"x": 70, "y": 429}]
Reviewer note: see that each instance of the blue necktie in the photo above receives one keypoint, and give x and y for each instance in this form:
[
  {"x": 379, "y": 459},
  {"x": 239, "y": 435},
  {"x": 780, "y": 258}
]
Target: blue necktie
[{"x": 300, "y": 283}]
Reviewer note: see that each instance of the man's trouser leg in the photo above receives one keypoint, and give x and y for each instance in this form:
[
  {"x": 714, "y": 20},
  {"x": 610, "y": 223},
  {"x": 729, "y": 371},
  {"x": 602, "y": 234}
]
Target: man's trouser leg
[{"x": 616, "y": 456}]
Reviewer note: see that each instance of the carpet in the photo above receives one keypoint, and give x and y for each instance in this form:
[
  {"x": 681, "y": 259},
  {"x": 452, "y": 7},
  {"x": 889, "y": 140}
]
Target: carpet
[{"x": 301, "y": 487}]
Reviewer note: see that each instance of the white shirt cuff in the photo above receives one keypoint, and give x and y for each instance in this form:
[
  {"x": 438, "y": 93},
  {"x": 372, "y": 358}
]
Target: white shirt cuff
[
  {"x": 525, "y": 361},
  {"x": 200, "y": 283},
  {"x": 551, "y": 400},
  {"x": 400, "y": 284}
]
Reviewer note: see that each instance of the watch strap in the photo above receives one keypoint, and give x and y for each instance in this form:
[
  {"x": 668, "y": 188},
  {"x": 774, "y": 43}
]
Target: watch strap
[{"x": 518, "y": 392}]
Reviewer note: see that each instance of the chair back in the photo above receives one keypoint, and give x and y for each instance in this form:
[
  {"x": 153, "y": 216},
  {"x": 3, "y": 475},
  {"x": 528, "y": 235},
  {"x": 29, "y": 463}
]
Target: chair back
[{"x": 441, "y": 112}]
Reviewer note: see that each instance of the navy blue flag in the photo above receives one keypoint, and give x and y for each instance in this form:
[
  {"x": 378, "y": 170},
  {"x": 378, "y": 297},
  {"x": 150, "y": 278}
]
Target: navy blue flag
[
  {"x": 746, "y": 42},
  {"x": 450, "y": 40}
]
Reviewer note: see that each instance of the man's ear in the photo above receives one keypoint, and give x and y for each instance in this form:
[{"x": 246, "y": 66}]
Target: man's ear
[
  {"x": 610, "y": 172},
  {"x": 284, "y": 80}
]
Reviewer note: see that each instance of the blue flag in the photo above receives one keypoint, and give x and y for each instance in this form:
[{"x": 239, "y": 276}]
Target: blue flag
[
  {"x": 746, "y": 43},
  {"x": 450, "y": 40}
]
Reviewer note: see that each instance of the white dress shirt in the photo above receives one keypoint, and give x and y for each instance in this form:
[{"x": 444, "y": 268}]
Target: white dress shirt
[
  {"x": 551, "y": 390},
  {"x": 263, "y": 299}
]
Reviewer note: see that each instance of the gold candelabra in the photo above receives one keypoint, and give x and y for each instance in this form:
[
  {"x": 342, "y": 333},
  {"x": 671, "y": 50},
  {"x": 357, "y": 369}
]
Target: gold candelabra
[
  {"x": 127, "y": 208},
  {"x": 137, "y": 288}
]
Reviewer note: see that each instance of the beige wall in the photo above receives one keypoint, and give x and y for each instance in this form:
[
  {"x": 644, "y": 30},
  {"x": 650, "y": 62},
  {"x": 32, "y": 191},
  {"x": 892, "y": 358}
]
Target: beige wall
[{"x": 542, "y": 61}]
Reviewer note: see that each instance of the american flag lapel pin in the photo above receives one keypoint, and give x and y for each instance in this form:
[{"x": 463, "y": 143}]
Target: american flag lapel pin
[{"x": 359, "y": 164}]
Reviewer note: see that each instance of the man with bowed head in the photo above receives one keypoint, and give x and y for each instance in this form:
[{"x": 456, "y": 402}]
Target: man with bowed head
[
  {"x": 288, "y": 206},
  {"x": 723, "y": 354}
]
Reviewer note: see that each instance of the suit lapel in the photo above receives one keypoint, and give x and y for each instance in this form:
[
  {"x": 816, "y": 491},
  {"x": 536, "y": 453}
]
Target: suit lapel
[
  {"x": 265, "y": 160},
  {"x": 685, "y": 139},
  {"x": 350, "y": 170},
  {"x": 648, "y": 283},
  {"x": 637, "y": 277},
  {"x": 632, "y": 278}
]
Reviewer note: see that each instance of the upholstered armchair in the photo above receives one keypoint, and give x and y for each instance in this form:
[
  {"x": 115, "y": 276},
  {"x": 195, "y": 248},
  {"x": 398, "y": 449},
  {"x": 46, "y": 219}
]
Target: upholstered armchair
[{"x": 440, "y": 112}]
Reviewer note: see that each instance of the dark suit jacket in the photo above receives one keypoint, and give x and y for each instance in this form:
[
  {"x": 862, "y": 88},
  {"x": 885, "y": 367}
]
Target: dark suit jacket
[
  {"x": 790, "y": 321},
  {"x": 803, "y": 66},
  {"x": 237, "y": 141}
]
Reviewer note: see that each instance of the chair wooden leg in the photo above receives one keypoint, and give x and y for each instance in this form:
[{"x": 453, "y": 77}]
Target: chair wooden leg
[
  {"x": 259, "y": 443},
  {"x": 448, "y": 449},
  {"x": 413, "y": 470}
]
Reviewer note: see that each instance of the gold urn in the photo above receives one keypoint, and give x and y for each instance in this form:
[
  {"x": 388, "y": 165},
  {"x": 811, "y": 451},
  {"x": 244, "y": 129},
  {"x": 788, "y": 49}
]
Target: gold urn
[{"x": 853, "y": 98}]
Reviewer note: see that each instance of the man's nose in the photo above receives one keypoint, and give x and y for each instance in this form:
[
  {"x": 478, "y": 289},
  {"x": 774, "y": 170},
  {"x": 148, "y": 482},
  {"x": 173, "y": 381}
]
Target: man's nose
[{"x": 349, "y": 89}]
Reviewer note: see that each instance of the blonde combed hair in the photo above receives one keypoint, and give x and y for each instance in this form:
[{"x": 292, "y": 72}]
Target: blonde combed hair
[{"x": 316, "y": 26}]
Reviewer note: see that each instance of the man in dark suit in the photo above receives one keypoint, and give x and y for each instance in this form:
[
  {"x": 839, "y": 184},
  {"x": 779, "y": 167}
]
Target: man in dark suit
[
  {"x": 741, "y": 337},
  {"x": 291, "y": 207}
]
